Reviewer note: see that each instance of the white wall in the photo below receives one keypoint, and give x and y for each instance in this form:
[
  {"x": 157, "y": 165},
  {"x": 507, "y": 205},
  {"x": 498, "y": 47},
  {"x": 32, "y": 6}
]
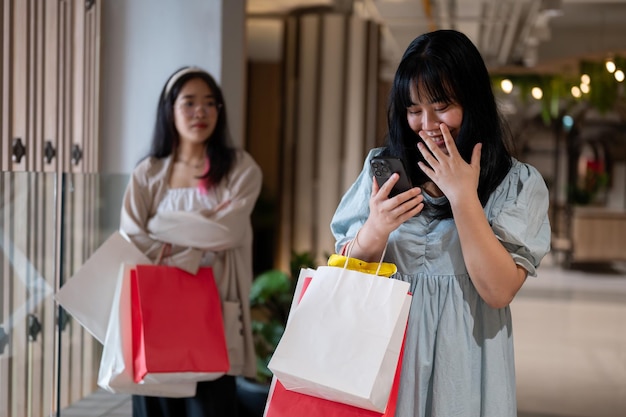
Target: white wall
[{"x": 143, "y": 42}]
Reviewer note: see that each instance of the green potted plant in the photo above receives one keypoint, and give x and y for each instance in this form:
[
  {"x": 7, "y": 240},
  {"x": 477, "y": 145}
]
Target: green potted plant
[{"x": 270, "y": 300}]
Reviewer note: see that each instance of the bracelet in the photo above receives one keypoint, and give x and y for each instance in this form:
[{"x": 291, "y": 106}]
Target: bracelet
[{"x": 351, "y": 244}]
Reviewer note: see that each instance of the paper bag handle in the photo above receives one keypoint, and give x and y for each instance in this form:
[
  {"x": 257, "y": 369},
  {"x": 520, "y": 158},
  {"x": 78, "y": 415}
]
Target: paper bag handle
[
  {"x": 351, "y": 244},
  {"x": 166, "y": 250}
]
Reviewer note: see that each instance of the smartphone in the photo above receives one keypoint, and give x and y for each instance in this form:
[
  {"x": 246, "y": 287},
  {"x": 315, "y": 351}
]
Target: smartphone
[{"x": 384, "y": 166}]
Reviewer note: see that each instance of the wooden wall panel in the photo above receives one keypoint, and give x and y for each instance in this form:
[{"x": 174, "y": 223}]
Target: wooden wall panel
[
  {"x": 5, "y": 84},
  {"x": 371, "y": 64},
  {"x": 95, "y": 82},
  {"x": 77, "y": 83},
  {"x": 353, "y": 146},
  {"x": 51, "y": 111},
  {"x": 65, "y": 86},
  {"x": 263, "y": 127},
  {"x": 18, "y": 96},
  {"x": 287, "y": 150},
  {"x": 92, "y": 87},
  {"x": 49, "y": 83},
  {"x": 88, "y": 93},
  {"x": 85, "y": 65},
  {"x": 332, "y": 100},
  {"x": 306, "y": 131},
  {"x": 35, "y": 82},
  {"x": 329, "y": 123},
  {"x": 263, "y": 141}
]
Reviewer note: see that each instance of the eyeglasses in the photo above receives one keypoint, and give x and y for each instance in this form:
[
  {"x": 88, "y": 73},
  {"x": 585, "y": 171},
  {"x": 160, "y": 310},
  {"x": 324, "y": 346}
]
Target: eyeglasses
[{"x": 189, "y": 108}]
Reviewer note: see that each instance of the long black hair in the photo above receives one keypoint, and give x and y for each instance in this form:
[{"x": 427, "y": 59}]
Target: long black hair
[
  {"x": 446, "y": 67},
  {"x": 165, "y": 139}
]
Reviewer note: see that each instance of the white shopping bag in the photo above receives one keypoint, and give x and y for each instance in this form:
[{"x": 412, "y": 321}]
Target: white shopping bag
[
  {"x": 88, "y": 294},
  {"x": 343, "y": 339},
  {"x": 116, "y": 366}
]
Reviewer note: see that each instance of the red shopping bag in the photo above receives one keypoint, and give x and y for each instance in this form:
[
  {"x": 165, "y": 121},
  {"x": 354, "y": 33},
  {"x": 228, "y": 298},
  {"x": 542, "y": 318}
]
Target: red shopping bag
[
  {"x": 177, "y": 326},
  {"x": 284, "y": 403}
]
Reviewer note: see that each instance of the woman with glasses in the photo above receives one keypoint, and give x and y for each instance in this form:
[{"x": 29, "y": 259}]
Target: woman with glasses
[
  {"x": 466, "y": 236},
  {"x": 195, "y": 192}
]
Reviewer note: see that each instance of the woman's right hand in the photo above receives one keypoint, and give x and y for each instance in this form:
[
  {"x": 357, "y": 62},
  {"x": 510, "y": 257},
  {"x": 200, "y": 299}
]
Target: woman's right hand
[{"x": 386, "y": 215}]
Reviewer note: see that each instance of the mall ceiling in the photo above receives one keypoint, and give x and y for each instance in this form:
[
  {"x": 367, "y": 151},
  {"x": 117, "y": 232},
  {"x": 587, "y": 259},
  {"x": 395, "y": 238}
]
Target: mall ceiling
[{"x": 512, "y": 35}]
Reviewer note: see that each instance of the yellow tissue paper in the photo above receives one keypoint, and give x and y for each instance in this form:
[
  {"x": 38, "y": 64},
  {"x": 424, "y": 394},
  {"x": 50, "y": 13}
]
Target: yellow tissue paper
[{"x": 386, "y": 269}]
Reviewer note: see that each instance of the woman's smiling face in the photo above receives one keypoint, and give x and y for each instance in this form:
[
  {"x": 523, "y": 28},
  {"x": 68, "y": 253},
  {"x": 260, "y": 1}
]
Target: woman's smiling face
[{"x": 426, "y": 117}]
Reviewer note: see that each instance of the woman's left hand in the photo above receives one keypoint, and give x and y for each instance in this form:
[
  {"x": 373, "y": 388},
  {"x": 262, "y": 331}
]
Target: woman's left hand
[{"x": 448, "y": 170}]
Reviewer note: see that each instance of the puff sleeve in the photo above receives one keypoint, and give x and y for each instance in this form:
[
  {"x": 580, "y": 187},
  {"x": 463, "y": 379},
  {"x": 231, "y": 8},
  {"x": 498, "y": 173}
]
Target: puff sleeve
[{"x": 518, "y": 214}]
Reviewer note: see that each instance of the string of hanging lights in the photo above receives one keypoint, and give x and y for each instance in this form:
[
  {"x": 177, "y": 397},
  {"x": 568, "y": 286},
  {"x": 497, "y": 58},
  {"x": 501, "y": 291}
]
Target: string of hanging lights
[{"x": 598, "y": 82}]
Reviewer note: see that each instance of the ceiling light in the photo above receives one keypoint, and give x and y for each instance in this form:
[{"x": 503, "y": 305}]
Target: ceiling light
[
  {"x": 537, "y": 93},
  {"x": 584, "y": 88},
  {"x": 619, "y": 75},
  {"x": 610, "y": 66},
  {"x": 576, "y": 92},
  {"x": 506, "y": 85},
  {"x": 585, "y": 79}
]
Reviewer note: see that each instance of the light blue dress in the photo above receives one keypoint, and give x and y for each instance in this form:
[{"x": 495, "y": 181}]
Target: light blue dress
[{"x": 458, "y": 351}]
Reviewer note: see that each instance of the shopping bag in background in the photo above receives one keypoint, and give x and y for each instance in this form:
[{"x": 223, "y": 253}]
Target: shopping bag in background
[
  {"x": 178, "y": 329},
  {"x": 116, "y": 365},
  {"x": 343, "y": 340},
  {"x": 88, "y": 295},
  {"x": 284, "y": 403}
]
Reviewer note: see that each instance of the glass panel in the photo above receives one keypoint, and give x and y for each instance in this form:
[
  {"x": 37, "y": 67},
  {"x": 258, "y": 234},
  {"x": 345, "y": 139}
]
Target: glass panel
[
  {"x": 27, "y": 283},
  {"x": 91, "y": 206},
  {"x": 46, "y": 369}
]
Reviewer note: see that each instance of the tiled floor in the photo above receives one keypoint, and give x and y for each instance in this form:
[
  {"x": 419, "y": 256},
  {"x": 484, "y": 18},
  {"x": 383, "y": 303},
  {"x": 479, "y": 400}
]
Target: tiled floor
[
  {"x": 570, "y": 341},
  {"x": 100, "y": 404}
]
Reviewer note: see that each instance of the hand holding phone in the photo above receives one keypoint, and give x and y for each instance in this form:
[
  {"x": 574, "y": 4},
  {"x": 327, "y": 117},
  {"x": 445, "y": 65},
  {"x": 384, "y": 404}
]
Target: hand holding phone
[{"x": 384, "y": 166}]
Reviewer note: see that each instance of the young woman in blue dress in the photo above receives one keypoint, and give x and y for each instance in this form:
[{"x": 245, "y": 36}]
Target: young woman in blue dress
[{"x": 467, "y": 235}]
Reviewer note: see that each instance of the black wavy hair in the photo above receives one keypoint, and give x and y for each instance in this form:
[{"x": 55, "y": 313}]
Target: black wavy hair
[
  {"x": 165, "y": 138},
  {"x": 446, "y": 67}
]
